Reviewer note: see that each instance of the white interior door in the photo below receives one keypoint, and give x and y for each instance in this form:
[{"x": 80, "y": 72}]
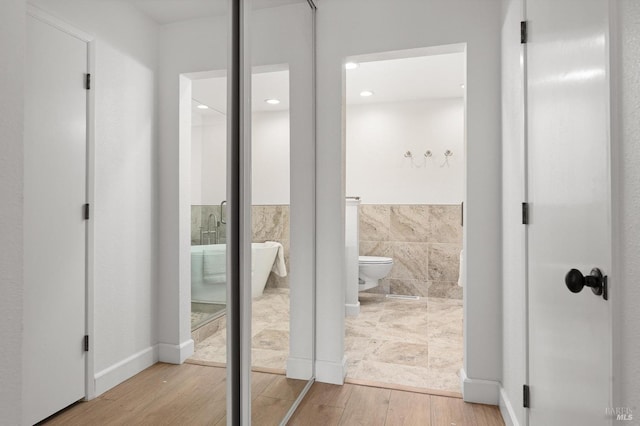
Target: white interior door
[
  {"x": 570, "y": 217},
  {"x": 55, "y": 147}
]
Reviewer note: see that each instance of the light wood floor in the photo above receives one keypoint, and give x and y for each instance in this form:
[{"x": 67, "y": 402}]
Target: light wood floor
[
  {"x": 348, "y": 405},
  {"x": 190, "y": 394}
]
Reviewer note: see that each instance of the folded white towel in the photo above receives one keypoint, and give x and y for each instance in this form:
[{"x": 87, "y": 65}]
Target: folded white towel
[
  {"x": 279, "y": 268},
  {"x": 214, "y": 265}
]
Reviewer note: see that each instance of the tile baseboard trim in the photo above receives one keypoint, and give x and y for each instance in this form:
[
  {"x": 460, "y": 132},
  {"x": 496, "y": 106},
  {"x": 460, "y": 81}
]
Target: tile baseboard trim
[
  {"x": 506, "y": 409},
  {"x": 175, "y": 354},
  {"x": 352, "y": 309},
  {"x": 331, "y": 372},
  {"x": 299, "y": 368},
  {"x": 479, "y": 391},
  {"x": 125, "y": 369}
]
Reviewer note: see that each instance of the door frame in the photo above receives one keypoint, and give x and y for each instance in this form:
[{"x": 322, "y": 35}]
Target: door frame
[
  {"x": 65, "y": 27},
  {"x": 418, "y": 52}
]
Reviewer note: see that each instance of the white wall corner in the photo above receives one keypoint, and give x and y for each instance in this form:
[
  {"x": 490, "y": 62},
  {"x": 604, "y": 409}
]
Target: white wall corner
[
  {"x": 352, "y": 309},
  {"x": 175, "y": 354},
  {"x": 331, "y": 372},
  {"x": 506, "y": 409},
  {"x": 299, "y": 368},
  {"x": 125, "y": 369},
  {"x": 479, "y": 391}
]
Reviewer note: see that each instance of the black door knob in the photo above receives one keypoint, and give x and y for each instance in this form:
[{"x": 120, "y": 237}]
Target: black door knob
[{"x": 575, "y": 282}]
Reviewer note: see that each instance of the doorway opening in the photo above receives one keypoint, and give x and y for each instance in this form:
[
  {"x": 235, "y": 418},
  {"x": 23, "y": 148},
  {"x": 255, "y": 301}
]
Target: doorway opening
[
  {"x": 405, "y": 181},
  {"x": 270, "y": 217}
]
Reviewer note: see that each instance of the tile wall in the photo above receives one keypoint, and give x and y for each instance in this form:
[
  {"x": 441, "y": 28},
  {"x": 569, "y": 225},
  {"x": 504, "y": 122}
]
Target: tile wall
[
  {"x": 424, "y": 242},
  {"x": 270, "y": 223}
]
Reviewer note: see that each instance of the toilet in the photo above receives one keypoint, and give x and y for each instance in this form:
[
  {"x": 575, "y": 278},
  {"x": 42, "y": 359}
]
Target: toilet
[{"x": 371, "y": 269}]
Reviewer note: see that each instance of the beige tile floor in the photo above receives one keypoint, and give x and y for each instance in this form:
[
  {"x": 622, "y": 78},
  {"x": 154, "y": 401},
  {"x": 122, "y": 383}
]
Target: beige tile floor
[
  {"x": 270, "y": 331},
  {"x": 406, "y": 342},
  {"x": 403, "y": 342}
]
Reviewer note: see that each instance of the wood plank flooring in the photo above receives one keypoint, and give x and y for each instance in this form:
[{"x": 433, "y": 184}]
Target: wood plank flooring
[
  {"x": 188, "y": 394},
  {"x": 352, "y": 405}
]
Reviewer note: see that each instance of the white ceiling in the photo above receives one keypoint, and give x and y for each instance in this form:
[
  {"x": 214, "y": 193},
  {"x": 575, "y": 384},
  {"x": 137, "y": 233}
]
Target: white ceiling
[
  {"x": 397, "y": 80},
  {"x": 170, "y": 11},
  {"x": 268, "y": 85},
  {"x": 425, "y": 77}
]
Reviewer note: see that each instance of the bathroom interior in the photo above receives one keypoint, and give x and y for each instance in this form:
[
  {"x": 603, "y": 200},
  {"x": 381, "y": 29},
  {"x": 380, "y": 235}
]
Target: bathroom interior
[
  {"x": 405, "y": 140},
  {"x": 270, "y": 218},
  {"x": 404, "y": 177}
]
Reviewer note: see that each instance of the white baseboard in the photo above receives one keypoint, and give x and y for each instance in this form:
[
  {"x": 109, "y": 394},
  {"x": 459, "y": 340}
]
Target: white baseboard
[
  {"x": 125, "y": 369},
  {"x": 352, "y": 309},
  {"x": 299, "y": 368},
  {"x": 331, "y": 372},
  {"x": 175, "y": 354},
  {"x": 506, "y": 409},
  {"x": 479, "y": 391}
]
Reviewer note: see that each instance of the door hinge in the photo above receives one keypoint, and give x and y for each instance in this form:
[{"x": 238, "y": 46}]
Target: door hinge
[
  {"x": 525, "y": 213},
  {"x": 462, "y": 214},
  {"x": 523, "y": 32},
  {"x": 525, "y": 396},
  {"x": 86, "y": 343},
  {"x": 87, "y": 81},
  {"x": 85, "y": 211}
]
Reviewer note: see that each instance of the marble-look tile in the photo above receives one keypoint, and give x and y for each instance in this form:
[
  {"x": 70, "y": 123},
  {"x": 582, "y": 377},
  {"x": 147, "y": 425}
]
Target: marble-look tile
[
  {"x": 267, "y": 358},
  {"x": 410, "y": 261},
  {"x": 444, "y": 224},
  {"x": 448, "y": 380},
  {"x": 286, "y": 222},
  {"x": 371, "y": 303},
  {"x": 444, "y": 359},
  {"x": 416, "y": 308},
  {"x": 399, "y": 353},
  {"x": 374, "y": 222},
  {"x": 392, "y": 373},
  {"x": 409, "y": 223},
  {"x": 196, "y": 218},
  {"x": 362, "y": 325},
  {"x": 444, "y": 262},
  {"x": 449, "y": 290},
  {"x": 402, "y": 329},
  {"x": 277, "y": 340},
  {"x": 207, "y": 330},
  {"x": 409, "y": 287},
  {"x": 354, "y": 352},
  {"x": 376, "y": 248},
  {"x": 267, "y": 223},
  {"x": 383, "y": 287}
]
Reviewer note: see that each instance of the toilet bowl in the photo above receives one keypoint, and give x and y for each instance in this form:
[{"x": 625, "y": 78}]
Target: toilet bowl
[{"x": 371, "y": 269}]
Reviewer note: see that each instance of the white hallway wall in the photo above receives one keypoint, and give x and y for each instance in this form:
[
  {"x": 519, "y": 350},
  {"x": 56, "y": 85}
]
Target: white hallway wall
[
  {"x": 12, "y": 41},
  {"x": 379, "y": 134},
  {"x": 513, "y": 232},
  {"x": 269, "y": 166},
  {"x": 125, "y": 213},
  {"x": 626, "y": 352},
  {"x": 355, "y": 27}
]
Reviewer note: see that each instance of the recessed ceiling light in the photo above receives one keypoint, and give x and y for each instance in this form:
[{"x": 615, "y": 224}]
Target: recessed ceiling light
[
  {"x": 272, "y": 101},
  {"x": 462, "y": 86},
  {"x": 366, "y": 93},
  {"x": 351, "y": 65},
  {"x": 203, "y": 106}
]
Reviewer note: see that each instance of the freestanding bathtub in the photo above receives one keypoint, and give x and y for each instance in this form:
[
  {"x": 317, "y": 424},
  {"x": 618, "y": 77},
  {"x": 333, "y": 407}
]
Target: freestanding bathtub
[{"x": 208, "y": 270}]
